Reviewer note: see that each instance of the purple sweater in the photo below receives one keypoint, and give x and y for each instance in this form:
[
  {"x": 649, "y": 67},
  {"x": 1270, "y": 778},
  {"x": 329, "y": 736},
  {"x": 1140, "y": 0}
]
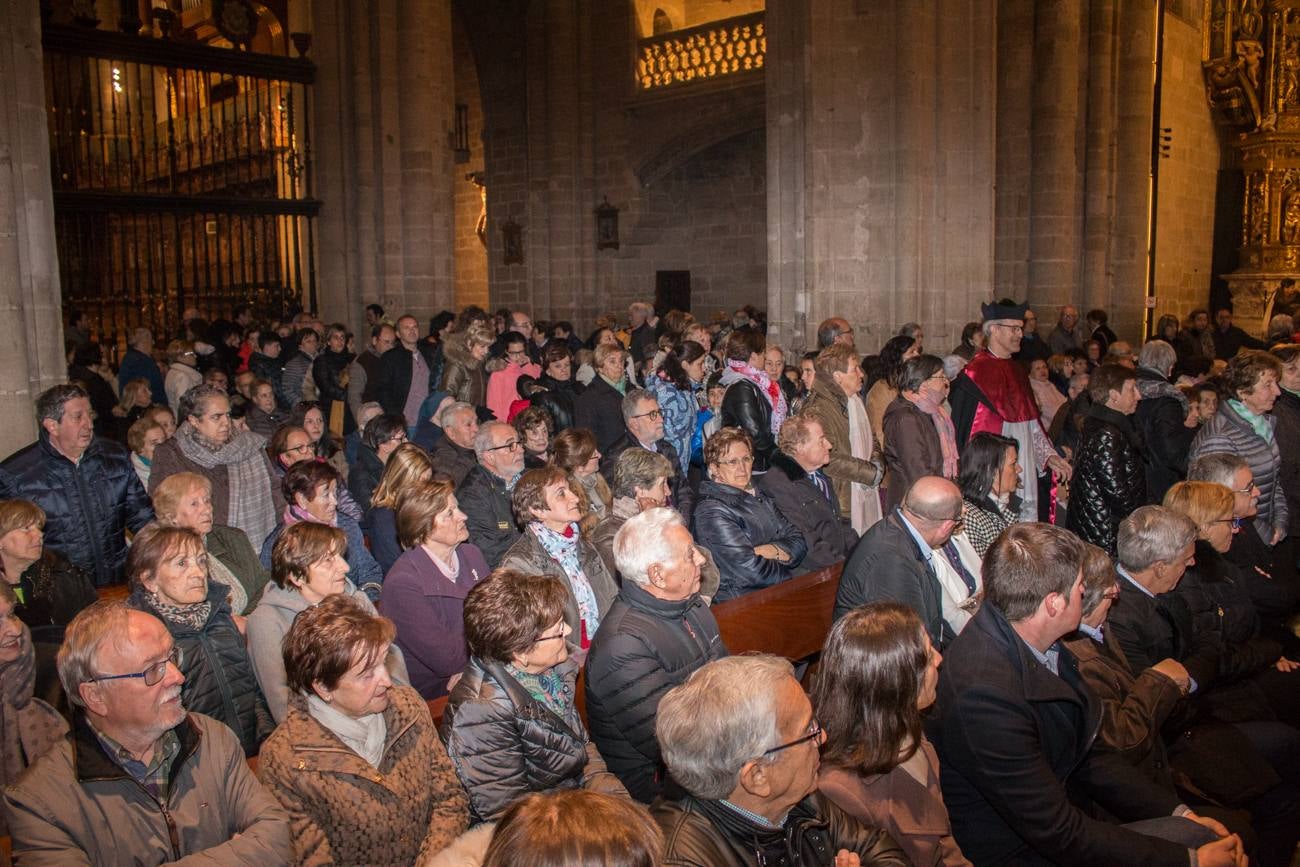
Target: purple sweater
[{"x": 428, "y": 610}]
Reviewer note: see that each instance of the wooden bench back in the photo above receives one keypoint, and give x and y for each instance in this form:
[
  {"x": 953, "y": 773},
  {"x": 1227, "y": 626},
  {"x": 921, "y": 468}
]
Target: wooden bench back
[{"x": 790, "y": 619}]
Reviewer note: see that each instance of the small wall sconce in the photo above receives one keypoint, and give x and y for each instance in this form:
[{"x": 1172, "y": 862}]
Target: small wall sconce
[
  {"x": 512, "y": 242},
  {"x": 606, "y": 225}
]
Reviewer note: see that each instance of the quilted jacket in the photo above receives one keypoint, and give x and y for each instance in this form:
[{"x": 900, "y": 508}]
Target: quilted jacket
[
  {"x": 731, "y": 523},
  {"x": 505, "y": 743},
  {"x": 88, "y": 506},
  {"x": 219, "y": 679},
  {"x": 1229, "y": 432},
  {"x": 1109, "y": 477},
  {"x": 645, "y": 647}
]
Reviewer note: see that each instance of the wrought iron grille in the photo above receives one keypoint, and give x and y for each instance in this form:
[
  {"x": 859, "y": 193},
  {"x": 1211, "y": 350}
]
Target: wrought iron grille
[{"x": 182, "y": 177}]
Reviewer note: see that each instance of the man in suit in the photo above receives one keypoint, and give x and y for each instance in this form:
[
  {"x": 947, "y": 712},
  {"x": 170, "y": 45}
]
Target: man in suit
[
  {"x": 1014, "y": 727},
  {"x": 805, "y": 496},
  {"x": 644, "y": 428},
  {"x": 893, "y": 560}
]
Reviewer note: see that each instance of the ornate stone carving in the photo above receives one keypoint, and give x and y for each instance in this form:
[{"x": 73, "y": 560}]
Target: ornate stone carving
[{"x": 720, "y": 48}]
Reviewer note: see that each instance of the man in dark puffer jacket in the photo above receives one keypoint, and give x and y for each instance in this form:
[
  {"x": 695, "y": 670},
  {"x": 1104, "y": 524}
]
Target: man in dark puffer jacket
[
  {"x": 86, "y": 485},
  {"x": 751, "y": 800},
  {"x": 1110, "y": 469},
  {"x": 657, "y": 631}
]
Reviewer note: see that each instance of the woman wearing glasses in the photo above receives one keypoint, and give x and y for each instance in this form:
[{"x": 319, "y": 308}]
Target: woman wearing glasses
[
  {"x": 244, "y": 493},
  {"x": 1218, "y": 598},
  {"x": 878, "y": 675},
  {"x": 511, "y": 726},
  {"x": 920, "y": 439},
  {"x": 547, "y": 505},
  {"x": 753, "y": 545},
  {"x": 168, "y": 570}
]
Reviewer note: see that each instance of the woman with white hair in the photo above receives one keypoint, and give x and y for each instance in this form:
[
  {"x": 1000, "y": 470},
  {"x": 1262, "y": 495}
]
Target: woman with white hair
[
  {"x": 1161, "y": 416},
  {"x": 657, "y": 631}
]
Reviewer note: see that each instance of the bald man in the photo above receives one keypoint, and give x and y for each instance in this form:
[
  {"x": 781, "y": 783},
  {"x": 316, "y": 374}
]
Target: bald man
[{"x": 896, "y": 559}]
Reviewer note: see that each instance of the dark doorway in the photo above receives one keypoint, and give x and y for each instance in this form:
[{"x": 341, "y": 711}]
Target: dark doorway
[{"x": 672, "y": 291}]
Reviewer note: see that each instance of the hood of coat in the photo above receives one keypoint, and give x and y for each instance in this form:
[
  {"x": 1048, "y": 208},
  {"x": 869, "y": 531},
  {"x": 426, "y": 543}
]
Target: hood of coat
[{"x": 457, "y": 352}]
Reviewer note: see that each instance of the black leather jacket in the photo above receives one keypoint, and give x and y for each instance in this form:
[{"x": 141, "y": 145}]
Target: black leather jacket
[
  {"x": 328, "y": 371},
  {"x": 707, "y": 834},
  {"x": 486, "y": 503},
  {"x": 1110, "y": 478},
  {"x": 558, "y": 400},
  {"x": 731, "y": 523},
  {"x": 747, "y": 408}
]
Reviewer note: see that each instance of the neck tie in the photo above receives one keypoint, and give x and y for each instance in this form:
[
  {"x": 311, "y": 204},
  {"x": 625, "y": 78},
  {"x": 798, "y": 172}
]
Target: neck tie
[{"x": 950, "y": 552}]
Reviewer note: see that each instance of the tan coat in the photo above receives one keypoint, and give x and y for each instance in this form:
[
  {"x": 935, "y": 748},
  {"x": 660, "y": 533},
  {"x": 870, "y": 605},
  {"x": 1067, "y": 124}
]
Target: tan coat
[
  {"x": 828, "y": 404},
  {"x": 342, "y": 810}
]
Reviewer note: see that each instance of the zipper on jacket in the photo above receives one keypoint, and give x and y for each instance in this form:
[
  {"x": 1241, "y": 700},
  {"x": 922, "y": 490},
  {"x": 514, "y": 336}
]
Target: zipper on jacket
[{"x": 91, "y": 537}]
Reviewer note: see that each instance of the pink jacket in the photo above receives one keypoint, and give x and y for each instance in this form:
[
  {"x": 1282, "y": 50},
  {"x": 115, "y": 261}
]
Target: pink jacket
[{"x": 501, "y": 389}]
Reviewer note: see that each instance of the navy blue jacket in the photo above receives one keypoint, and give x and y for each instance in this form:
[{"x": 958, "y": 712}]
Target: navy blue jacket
[
  {"x": 88, "y": 506},
  {"x": 137, "y": 365}
]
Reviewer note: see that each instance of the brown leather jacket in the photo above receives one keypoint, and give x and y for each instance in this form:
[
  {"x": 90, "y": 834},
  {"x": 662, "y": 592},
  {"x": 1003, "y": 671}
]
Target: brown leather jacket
[{"x": 700, "y": 833}]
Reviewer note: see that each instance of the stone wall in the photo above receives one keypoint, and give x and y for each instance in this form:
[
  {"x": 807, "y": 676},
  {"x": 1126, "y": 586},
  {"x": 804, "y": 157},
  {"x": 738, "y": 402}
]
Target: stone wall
[
  {"x": 471, "y": 254},
  {"x": 1185, "y": 217}
]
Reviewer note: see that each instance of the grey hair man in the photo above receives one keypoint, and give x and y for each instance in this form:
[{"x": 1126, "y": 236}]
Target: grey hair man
[
  {"x": 485, "y": 494},
  {"x": 454, "y": 454},
  {"x": 643, "y": 427},
  {"x": 835, "y": 330},
  {"x": 139, "y": 776},
  {"x": 1009, "y": 678},
  {"x": 740, "y": 738},
  {"x": 657, "y": 631}
]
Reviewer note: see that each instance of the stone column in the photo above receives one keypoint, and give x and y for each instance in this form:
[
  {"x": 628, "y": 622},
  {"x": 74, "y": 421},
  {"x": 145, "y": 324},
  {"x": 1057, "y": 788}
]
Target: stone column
[{"x": 31, "y": 330}]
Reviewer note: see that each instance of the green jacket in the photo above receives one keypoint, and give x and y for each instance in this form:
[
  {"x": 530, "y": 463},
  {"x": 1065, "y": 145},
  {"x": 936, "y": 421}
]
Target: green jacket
[{"x": 232, "y": 548}]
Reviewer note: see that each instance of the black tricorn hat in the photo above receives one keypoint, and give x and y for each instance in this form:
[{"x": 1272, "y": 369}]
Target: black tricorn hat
[{"x": 1004, "y": 308}]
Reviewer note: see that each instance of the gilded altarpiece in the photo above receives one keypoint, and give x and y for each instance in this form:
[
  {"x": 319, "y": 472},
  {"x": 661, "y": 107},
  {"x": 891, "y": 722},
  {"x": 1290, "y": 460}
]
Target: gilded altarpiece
[{"x": 1252, "y": 73}]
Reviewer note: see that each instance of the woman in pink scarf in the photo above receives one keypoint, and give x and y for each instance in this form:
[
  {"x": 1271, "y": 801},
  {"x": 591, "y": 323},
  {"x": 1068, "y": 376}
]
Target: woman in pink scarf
[
  {"x": 919, "y": 436},
  {"x": 753, "y": 402}
]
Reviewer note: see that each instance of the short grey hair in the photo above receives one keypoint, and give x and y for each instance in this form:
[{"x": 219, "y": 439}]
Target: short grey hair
[
  {"x": 450, "y": 411},
  {"x": 1157, "y": 355},
  {"x": 641, "y": 542},
  {"x": 1281, "y": 324},
  {"x": 953, "y": 365},
  {"x": 1153, "y": 534},
  {"x": 633, "y": 397},
  {"x": 105, "y": 620},
  {"x": 722, "y": 717},
  {"x": 638, "y": 468},
  {"x": 195, "y": 401},
  {"x": 483, "y": 439},
  {"x": 1217, "y": 467}
]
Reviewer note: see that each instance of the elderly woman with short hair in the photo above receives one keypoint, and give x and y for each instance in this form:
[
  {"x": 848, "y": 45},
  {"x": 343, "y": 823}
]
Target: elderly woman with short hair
[
  {"x": 919, "y": 436},
  {"x": 656, "y": 633},
  {"x": 547, "y": 506},
  {"x": 424, "y": 592},
  {"x": 1244, "y": 426},
  {"x": 357, "y": 761},
  {"x": 511, "y": 725},
  {"x": 185, "y": 500},
  {"x": 307, "y": 565},
  {"x": 311, "y": 488},
  {"x": 753, "y": 545},
  {"x": 1161, "y": 416},
  {"x": 640, "y": 482},
  {"x": 48, "y": 589},
  {"x": 182, "y": 373},
  {"x": 244, "y": 493},
  {"x": 168, "y": 569}
]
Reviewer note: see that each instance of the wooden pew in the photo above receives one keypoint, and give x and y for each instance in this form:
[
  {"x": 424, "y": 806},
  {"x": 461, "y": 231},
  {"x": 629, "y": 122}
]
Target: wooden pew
[{"x": 790, "y": 619}]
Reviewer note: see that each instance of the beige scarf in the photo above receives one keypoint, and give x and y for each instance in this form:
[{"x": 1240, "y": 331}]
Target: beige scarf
[{"x": 864, "y": 499}]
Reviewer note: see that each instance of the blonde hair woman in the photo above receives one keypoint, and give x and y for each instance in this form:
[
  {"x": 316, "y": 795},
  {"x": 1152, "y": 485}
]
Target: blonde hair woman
[{"x": 408, "y": 466}]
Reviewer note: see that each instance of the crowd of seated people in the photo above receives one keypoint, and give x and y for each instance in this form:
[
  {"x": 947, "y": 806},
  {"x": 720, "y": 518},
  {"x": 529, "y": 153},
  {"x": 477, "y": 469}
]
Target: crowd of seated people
[{"x": 451, "y": 600}]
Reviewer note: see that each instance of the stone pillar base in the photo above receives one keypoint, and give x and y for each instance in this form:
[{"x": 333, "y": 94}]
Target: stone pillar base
[{"x": 1253, "y": 294}]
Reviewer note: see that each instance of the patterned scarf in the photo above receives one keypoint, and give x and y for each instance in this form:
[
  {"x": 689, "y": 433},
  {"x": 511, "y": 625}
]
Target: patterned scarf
[
  {"x": 191, "y": 616},
  {"x": 563, "y": 549},
  {"x": 252, "y": 506},
  {"x": 547, "y": 687},
  {"x": 943, "y": 426},
  {"x": 768, "y": 387}
]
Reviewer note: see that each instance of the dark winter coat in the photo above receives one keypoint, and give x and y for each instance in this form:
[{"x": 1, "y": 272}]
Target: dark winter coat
[
  {"x": 363, "y": 478},
  {"x": 1228, "y": 343},
  {"x": 219, "y": 680},
  {"x": 394, "y": 380},
  {"x": 53, "y": 592},
  {"x": 1109, "y": 477},
  {"x": 746, "y": 407},
  {"x": 138, "y": 365},
  {"x": 701, "y": 833},
  {"x": 88, "y": 506},
  {"x": 456, "y": 461},
  {"x": 232, "y": 548},
  {"x": 485, "y": 500},
  {"x": 1160, "y": 416},
  {"x": 645, "y": 647},
  {"x": 329, "y": 372},
  {"x": 1287, "y": 432},
  {"x": 731, "y": 523},
  {"x": 362, "y": 568},
  {"x": 912, "y": 449},
  {"x": 1019, "y": 774},
  {"x": 272, "y": 370},
  {"x": 559, "y": 400},
  {"x": 829, "y": 537},
  {"x": 599, "y": 409},
  {"x": 293, "y": 378},
  {"x": 506, "y": 744}
]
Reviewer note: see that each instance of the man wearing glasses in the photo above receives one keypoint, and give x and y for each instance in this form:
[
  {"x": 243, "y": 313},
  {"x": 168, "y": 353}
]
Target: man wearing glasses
[
  {"x": 751, "y": 797},
  {"x": 485, "y": 494},
  {"x": 992, "y": 394},
  {"x": 139, "y": 780},
  {"x": 643, "y": 423}
]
